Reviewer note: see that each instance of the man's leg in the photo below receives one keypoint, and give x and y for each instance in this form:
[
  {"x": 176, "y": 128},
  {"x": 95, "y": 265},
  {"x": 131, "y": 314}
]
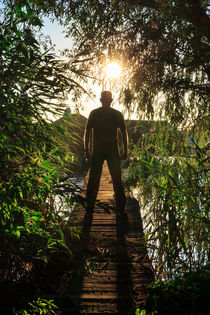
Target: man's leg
[
  {"x": 96, "y": 164},
  {"x": 113, "y": 161}
]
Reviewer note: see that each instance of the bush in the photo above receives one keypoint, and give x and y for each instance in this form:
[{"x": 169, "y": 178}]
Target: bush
[{"x": 188, "y": 295}]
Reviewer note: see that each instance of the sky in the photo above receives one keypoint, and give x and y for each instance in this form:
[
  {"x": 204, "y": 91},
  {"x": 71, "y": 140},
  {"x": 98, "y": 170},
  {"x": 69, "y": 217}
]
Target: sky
[{"x": 56, "y": 33}]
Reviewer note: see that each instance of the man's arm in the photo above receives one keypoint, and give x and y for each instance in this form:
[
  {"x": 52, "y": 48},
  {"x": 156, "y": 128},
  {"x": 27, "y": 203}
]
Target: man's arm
[
  {"x": 124, "y": 138},
  {"x": 87, "y": 137},
  {"x": 86, "y": 143},
  {"x": 125, "y": 144}
]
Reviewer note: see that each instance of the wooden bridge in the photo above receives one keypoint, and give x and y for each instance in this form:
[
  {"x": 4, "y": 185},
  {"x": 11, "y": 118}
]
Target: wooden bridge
[{"x": 113, "y": 266}]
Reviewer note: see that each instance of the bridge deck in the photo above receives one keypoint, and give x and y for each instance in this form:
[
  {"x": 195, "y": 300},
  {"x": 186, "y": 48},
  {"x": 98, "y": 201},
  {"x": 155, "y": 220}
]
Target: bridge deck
[{"x": 113, "y": 266}]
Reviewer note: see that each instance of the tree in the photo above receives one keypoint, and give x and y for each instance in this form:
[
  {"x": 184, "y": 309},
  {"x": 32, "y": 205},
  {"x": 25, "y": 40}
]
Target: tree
[
  {"x": 163, "y": 45},
  {"x": 33, "y": 84}
]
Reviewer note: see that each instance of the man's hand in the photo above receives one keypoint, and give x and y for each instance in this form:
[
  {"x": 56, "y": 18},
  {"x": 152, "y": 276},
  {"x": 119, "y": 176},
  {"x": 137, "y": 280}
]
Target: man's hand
[{"x": 124, "y": 156}]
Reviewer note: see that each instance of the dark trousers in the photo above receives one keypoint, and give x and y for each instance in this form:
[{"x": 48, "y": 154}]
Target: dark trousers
[{"x": 96, "y": 164}]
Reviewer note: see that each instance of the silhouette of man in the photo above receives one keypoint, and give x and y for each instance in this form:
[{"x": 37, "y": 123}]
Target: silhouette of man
[{"x": 105, "y": 121}]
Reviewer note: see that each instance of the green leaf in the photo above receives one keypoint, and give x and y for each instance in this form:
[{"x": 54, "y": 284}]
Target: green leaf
[
  {"x": 19, "y": 148},
  {"x": 37, "y": 219},
  {"x": 53, "y": 151}
]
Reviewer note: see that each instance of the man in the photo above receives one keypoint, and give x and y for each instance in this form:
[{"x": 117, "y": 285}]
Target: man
[{"x": 104, "y": 122}]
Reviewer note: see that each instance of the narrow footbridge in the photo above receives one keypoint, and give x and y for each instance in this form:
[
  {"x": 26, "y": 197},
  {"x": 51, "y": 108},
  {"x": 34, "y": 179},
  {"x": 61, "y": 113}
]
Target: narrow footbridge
[{"x": 113, "y": 266}]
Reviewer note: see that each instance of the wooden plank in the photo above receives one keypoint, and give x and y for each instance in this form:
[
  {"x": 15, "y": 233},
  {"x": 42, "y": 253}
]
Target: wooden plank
[{"x": 118, "y": 263}]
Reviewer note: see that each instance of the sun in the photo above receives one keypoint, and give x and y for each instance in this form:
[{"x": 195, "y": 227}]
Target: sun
[{"x": 113, "y": 70}]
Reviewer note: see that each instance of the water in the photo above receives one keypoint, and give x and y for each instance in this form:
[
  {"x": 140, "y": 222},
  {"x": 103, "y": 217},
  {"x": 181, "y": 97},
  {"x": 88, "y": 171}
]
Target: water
[{"x": 62, "y": 204}]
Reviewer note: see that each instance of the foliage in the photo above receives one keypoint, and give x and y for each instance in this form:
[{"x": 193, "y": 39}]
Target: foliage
[
  {"x": 41, "y": 306},
  {"x": 71, "y": 130},
  {"x": 173, "y": 193},
  {"x": 163, "y": 47},
  {"x": 33, "y": 85},
  {"x": 142, "y": 312},
  {"x": 187, "y": 295}
]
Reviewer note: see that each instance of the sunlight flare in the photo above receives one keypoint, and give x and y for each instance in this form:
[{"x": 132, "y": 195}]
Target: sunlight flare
[{"x": 113, "y": 70}]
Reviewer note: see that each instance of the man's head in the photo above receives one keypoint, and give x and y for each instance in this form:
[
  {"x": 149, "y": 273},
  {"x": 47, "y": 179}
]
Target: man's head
[{"x": 106, "y": 98}]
